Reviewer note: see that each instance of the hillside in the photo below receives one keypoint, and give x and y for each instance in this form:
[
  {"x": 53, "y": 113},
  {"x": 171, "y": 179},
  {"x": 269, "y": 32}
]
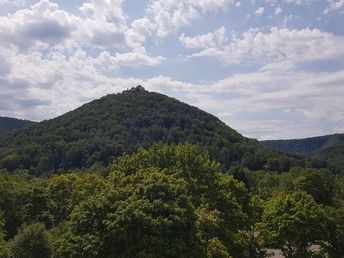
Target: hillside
[
  {"x": 329, "y": 148},
  {"x": 308, "y": 146},
  {"x": 8, "y": 124},
  {"x": 96, "y": 133}
]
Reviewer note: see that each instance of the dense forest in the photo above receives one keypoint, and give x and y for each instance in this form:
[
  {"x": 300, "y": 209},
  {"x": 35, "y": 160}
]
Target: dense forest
[
  {"x": 91, "y": 136},
  {"x": 9, "y": 125},
  {"x": 329, "y": 148},
  {"x": 172, "y": 201},
  {"x": 139, "y": 174}
]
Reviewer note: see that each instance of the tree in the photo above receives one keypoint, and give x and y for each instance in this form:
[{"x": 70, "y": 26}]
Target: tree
[
  {"x": 13, "y": 193},
  {"x": 216, "y": 249},
  {"x": 148, "y": 214},
  {"x": 3, "y": 243},
  {"x": 293, "y": 223},
  {"x": 167, "y": 201},
  {"x": 334, "y": 244},
  {"x": 66, "y": 191},
  {"x": 32, "y": 241},
  {"x": 320, "y": 183}
]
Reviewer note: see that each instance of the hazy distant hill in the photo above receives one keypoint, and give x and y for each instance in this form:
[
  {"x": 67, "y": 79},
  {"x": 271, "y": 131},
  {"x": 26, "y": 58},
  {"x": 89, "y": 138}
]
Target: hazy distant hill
[
  {"x": 96, "y": 133},
  {"x": 8, "y": 124},
  {"x": 308, "y": 146},
  {"x": 329, "y": 148}
]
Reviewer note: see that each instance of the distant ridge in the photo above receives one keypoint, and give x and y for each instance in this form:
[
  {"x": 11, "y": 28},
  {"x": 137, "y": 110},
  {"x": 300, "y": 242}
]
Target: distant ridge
[
  {"x": 9, "y": 124},
  {"x": 307, "y": 146},
  {"x": 329, "y": 148},
  {"x": 96, "y": 133}
]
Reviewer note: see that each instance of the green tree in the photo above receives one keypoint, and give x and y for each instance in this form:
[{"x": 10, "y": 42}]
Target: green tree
[
  {"x": 66, "y": 191},
  {"x": 13, "y": 197},
  {"x": 148, "y": 214},
  {"x": 32, "y": 241},
  {"x": 318, "y": 183},
  {"x": 293, "y": 223},
  {"x": 216, "y": 249},
  {"x": 39, "y": 205},
  {"x": 166, "y": 201},
  {"x": 207, "y": 185},
  {"x": 3, "y": 243},
  {"x": 334, "y": 244}
]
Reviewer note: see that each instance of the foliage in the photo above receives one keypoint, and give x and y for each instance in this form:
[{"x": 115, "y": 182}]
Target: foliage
[
  {"x": 319, "y": 183},
  {"x": 166, "y": 201},
  {"x": 32, "y": 241},
  {"x": 335, "y": 225},
  {"x": 293, "y": 223},
  {"x": 216, "y": 249},
  {"x": 172, "y": 201},
  {"x": 13, "y": 193},
  {"x": 3, "y": 243}
]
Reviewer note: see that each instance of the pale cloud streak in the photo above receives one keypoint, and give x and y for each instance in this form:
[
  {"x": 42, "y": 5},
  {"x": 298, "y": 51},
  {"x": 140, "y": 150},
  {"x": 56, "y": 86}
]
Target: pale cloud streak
[
  {"x": 209, "y": 40},
  {"x": 334, "y": 5},
  {"x": 276, "y": 45}
]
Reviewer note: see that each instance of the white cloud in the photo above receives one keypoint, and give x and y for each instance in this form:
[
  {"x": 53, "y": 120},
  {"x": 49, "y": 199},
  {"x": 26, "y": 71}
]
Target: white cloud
[
  {"x": 334, "y": 5},
  {"x": 259, "y": 11},
  {"x": 102, "y": 24},
  {"x": 211, "y": 39},
  {"x": 278, "y": 45},
  {"x": 129, "y": 59},
  {"x": 169, "y": 16},
  {"x": 13, "y": 2},
  {"x": 41, "y": 25},
  {"x": 278, "y": 11},
  {"x": 296, "y": 2},
  {"x": 140, "y": 29}
]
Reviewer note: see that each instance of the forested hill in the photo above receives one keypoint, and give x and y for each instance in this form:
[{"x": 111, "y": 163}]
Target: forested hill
[
  {"x": 93, "y": 135},
  {"x": 329, "y": 148},
  {"x": 8, "y": 124},
  {"x": 308, "y": 146}
]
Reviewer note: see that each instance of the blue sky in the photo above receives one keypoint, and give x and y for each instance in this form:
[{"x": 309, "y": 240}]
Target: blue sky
[{"x": 271, "y": 69}]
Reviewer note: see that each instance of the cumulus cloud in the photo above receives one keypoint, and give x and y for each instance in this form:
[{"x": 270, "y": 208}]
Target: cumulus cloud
[
  {"x": 277, "y": 45},
  {"x": 103, "y": 24},
  {"x": 41, "y": 23},
  {"x": 168, "y": 16}
]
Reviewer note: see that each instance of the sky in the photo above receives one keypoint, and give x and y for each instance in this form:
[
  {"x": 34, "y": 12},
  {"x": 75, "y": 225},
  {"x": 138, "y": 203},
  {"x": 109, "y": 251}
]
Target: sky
[{"x": 271, "y": 69}]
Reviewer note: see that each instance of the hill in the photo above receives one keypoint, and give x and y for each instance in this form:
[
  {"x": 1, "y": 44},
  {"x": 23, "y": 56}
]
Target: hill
[
  {"x": 308, "y": 146},
  {"x": 329, "y": 148},
  {"x": 95, "y": 134},
  {"x": 8, "y": 124}
]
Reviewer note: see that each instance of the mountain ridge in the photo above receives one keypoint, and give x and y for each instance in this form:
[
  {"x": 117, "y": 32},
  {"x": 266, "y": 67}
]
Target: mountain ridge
[
  {"x": 316, "y": 144},
  {"x": 10, "y": 124},
  {"x": 327, "y": 148}
]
